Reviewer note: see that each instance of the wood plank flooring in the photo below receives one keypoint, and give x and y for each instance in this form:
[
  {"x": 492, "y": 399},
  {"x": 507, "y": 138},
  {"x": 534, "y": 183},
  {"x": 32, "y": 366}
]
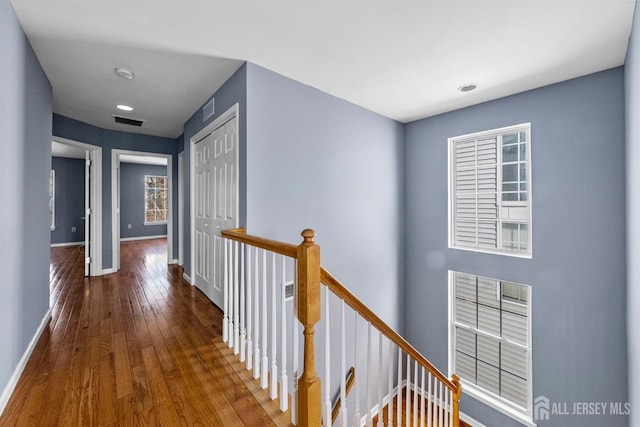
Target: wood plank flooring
[{"x": 134, "y": 348}]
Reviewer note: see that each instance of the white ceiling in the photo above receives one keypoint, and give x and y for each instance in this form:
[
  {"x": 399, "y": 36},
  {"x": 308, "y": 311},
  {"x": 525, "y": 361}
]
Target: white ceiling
[{"x": 403, "y": 59}]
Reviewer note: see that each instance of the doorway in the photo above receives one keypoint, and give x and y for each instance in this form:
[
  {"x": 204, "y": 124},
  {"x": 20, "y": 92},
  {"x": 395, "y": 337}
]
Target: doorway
[
  {"x": 90, "y": 194},
  {"x": 214, "y": 200},
  {"x": 159, "y": 184}
]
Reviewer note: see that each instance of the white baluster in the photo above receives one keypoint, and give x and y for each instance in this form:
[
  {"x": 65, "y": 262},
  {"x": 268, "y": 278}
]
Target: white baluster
[
  {"x": 356, "y": 409},
  {"x": 230, "y": 303},
  {"x": 327, "y": 361},
  {"x": 399, "y": 407},
  {"x": 225, "y": 305},
  {"x": 407, "y": 411},
  {"x": 243, "y": 327},
  {"x": 265, "y": 359},
  {"x": 368, "y": 386},
  {"x": 440, "y": 405},
  {"x": 343, "y": 368},
  {"x": 295, "y": 333},
  {"x": 446, "y": 405},
  {"x": 431, "y": 401},
  {"x": 256, "y": 317},
  {"x": 236, "y": 301},
  {"x": 415, "y": 393},
  {"x": 249, "y": 319},
  {"x": 390, "y": 386},
  {"x": 380, "y": 378},
  {"x": 274, "y": 327},
  {"x": 422, "y": 399},
  {"x": 284, "y": 381}
]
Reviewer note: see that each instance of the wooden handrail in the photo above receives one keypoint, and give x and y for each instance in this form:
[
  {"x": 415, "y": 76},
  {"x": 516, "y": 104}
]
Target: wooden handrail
[
  {"x": 240, "y": 235},
  {"x": 342, "y": 292},
  {"x": 351, "y": 378}
]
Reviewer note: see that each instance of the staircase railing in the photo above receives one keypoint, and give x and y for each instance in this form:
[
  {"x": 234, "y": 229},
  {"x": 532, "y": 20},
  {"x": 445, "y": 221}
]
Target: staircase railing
[{"x": 259, "y": 311}]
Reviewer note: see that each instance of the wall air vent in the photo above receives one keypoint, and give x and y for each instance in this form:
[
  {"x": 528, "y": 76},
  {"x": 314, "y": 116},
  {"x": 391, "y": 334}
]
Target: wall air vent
[
  {"x": 126, "y": 121},
  {"x": 208, "y": 110}
]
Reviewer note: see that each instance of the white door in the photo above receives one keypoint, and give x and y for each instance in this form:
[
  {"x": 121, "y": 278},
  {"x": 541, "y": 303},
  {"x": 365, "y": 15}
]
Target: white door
[
  {"x": 224, "y": 201},
  {"x": 203, "y": 224},
  {"x": 87, "y": 213},
  {"x": 215, "y": 206}
]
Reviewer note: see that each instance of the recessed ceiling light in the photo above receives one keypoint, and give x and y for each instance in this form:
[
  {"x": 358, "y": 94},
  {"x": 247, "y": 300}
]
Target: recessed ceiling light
[
  {"x": 124, "y": 107},
  {"x": 468, "y": 87},
  {"x": 124, "y": 73}
]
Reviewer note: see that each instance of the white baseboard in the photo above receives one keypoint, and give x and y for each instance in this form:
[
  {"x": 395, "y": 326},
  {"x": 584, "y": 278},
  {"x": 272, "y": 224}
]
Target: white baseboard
[
  {"x": 173, "y": 261},
  {"x": 130, "y": 239},
  {"x": 13, "y": 381},
  {"x": 108, "y": 271},
  {"x": 59, "y": 245},
  {"x": 187, "y": 278}
]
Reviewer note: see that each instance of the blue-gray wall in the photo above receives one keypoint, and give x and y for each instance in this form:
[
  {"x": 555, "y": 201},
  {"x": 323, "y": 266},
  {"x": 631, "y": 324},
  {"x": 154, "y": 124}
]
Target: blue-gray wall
[
  {"x": 111, "y": 140},
  {"x": 69, "y": 200},
  {"x": 25, "y": 120},
  {"x": 577, "y": 272},
  {"x": 316, "y": 161},
  {"x": 231, "y": 92},
  {"x": 632, "y": 91},
  {"x": 132, "y": 200}
]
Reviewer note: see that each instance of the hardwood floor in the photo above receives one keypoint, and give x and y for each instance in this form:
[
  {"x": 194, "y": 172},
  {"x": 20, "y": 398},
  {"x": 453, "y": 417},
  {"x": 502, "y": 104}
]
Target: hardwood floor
[{"x": 135, "y": 348}]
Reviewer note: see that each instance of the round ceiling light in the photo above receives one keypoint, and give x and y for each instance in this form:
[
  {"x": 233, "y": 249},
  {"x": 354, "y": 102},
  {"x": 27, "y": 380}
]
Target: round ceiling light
[
  {"x": 124, "y": 107},
  {"x": 124, "y": 73},
  {"x": 468, "y": 87}
]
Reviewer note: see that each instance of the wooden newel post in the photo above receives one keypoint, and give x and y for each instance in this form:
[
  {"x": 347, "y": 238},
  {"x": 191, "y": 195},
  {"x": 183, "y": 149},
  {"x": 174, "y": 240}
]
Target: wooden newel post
[
  {"x": 308, "y": 266},
  {"x": 456, "y": 400}
]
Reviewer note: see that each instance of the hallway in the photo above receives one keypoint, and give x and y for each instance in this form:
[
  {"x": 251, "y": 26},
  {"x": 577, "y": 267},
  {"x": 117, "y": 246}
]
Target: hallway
[{"x": 135, "y": 348}]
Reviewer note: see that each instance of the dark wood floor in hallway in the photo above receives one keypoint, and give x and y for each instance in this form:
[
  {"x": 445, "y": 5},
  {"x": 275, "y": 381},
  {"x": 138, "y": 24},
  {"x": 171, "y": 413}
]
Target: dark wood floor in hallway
[{"x": 135, "y": 348}]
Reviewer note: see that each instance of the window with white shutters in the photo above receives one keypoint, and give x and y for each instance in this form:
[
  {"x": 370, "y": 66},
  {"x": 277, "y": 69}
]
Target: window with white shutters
[
  {"x": 489, "y": 191},
  {"x": 490, "y": 340}
]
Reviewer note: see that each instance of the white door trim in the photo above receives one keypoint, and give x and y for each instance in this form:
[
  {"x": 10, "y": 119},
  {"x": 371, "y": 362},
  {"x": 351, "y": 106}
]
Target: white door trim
[
  {"x": 232, "y": 113},
  {"x": 181, "y": 208},
  {"x": 115, "y": 229},
  {"x": 96, "y": 202}
]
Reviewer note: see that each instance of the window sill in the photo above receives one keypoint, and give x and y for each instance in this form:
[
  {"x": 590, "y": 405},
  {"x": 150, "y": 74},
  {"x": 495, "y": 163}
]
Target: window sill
[
  {"x": 493, "y": 252},
  {"x": 156, "y": 223}
]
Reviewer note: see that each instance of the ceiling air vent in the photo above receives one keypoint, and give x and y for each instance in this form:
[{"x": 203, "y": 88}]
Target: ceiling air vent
[{"x": 126, "y": 121}]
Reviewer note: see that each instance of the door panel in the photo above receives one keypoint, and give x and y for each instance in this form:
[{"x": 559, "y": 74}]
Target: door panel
[
  {"x": 203, "y": 215},
  {"x": 215, "y": 206}
]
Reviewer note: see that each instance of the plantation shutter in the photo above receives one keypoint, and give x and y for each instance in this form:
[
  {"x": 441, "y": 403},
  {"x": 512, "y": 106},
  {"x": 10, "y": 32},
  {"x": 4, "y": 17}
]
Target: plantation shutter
[
  {"x": 475, "y": 208},
  {"x": 492, "y": 336}
]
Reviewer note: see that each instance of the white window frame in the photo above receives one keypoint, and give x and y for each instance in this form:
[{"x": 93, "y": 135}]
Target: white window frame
[
  {"x": 523, "y": 415},
  {"x": 52, "y": 199},
  {"x": 497, "y": 133},
  {"x": 145, "y": 199}
]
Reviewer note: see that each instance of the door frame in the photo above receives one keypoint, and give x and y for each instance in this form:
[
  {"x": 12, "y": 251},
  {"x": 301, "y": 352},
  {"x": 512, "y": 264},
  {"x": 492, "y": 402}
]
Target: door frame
[
  {"x": 95, "y": 202},
  {"x": 181, "y": 209},
  {"x": 233, "y": 113},
  {"x": 115, "y": 198}
]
